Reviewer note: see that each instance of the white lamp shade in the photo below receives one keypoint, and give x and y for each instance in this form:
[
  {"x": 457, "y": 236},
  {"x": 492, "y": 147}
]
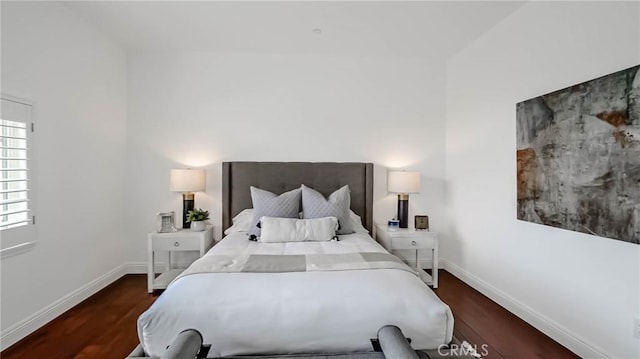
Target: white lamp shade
[
  {"x": 403, "y": 182},
  {"x": 188, "y": 180}
]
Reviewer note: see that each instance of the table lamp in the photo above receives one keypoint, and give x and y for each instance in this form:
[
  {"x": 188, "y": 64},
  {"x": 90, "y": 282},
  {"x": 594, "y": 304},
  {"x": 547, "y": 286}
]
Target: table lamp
[
  {"x": 403, "y": 183},
  {"x": 187, "y": 181}
]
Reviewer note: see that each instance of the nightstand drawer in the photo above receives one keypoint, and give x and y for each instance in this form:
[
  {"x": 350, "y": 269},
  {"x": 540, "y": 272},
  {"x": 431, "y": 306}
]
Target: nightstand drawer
[
  {"x": 412, "y": 243},
  {"x": 175, "y": 243}
]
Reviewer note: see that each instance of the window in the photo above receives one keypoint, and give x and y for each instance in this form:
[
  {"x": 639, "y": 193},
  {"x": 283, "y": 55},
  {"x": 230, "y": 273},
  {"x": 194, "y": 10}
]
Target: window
[{"x": 17, "y": 218}]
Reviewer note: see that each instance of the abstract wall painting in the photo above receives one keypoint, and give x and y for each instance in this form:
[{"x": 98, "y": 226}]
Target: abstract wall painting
[{"x": 578, "y": 157}]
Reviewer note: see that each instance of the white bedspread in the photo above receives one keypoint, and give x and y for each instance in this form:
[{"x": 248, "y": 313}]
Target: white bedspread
[{"x": 294, "y": 312}]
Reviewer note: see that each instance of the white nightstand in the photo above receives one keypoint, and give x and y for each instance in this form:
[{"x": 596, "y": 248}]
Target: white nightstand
[
  {"x": 182, "y": 240},
  {"x": 407, "y": 239}
]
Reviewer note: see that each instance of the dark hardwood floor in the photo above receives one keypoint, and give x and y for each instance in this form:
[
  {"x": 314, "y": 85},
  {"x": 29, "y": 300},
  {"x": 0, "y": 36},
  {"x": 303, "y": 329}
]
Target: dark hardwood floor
[
  {"x": 479, "y": 320},
  {"x": 104, "y": 326}
]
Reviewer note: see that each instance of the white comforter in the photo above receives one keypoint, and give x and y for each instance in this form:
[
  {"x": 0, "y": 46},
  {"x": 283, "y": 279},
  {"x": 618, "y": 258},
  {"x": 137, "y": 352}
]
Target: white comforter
[{"x": 295, "y": 312}]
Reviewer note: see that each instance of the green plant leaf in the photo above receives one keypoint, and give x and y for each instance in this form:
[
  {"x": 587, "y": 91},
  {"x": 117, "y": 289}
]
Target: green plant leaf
[{"x": 197, "y": 214}]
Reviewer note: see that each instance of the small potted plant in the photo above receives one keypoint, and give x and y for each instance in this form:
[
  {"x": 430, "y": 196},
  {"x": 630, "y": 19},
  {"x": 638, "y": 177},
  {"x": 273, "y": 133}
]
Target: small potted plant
[{"x": 197, "y": 217}]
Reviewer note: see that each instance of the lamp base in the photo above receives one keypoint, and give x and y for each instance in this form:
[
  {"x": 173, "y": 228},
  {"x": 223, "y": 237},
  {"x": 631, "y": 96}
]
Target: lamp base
[
  {"x": 403, "y": 210},
  {"x": 188, "y": 201}
]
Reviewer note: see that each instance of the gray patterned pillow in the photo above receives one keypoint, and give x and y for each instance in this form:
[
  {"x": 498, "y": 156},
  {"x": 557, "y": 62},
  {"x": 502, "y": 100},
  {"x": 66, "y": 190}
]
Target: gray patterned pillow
[
  {"x": 265, "y": 203},
  {"x": 314, "y": 205}
]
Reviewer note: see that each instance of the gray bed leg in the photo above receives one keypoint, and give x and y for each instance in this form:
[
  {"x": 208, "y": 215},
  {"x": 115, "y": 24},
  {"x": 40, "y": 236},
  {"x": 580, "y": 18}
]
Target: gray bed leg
[
  {"x": 394, "y": 344},
  {"x": 185, "y": 346}
]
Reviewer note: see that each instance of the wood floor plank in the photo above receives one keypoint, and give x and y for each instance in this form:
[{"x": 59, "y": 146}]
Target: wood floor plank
[
  {"x": 463, "y": 332},
  {"x": 504, "y": 332},
  {"x": 104, "y": 325}
]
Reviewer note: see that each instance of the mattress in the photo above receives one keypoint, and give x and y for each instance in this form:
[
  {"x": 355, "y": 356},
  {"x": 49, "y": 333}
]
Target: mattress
[{"x": 295, "y": 312}]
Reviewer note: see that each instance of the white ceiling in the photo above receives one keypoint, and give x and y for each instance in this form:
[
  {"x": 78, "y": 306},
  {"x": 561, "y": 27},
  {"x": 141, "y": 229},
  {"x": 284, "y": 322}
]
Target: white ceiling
[{"x": 432, "y": 29}]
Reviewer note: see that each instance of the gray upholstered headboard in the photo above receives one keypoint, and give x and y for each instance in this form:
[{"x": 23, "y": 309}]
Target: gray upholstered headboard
[{"x": 279, "y": 177}]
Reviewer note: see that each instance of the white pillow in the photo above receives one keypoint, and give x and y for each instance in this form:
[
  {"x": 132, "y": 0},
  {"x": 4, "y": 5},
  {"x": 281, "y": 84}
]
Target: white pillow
[
  {"x": 356, "y": 223},
  {"x": 241, "y": 222},
  {"x": 277, "y": 230}
]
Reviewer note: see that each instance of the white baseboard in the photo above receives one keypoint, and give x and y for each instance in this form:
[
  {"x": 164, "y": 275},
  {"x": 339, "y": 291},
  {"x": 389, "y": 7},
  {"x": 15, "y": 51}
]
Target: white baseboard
[
  {"x": 541, "y": 322},
  {"x": 28, "y": 325}
]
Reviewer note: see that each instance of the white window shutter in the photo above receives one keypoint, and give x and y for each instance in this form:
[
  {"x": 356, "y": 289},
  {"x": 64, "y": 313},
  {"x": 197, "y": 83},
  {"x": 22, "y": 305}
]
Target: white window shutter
[{"x": 16, "y": 175}]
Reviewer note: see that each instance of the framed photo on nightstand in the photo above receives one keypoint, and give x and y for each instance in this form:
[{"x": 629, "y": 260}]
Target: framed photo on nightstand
[{"x": 421, "y": 223}]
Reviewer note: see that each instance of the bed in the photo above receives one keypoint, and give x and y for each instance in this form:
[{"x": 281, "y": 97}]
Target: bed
[{"x": 282, "y": 312}]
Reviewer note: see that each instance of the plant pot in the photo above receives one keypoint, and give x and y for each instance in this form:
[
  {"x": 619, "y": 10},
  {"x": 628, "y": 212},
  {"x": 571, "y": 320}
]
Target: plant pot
[{"x": 198, "y": 226}]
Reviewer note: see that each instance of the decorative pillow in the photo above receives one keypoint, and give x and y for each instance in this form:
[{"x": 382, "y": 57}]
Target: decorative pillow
[
  {"x": 241, "y": 222},
  {"x": 314, "y": 205},
  {"x": 265, "y": 203},
  {"x": 275, "y": 230}
]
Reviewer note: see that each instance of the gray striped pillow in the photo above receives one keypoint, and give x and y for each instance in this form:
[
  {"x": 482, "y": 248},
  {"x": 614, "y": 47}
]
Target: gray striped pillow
[{"x": 314, "y": 205}]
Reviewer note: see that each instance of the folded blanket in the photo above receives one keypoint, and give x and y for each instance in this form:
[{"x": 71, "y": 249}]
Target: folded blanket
[{"x": 278, "y": 263}]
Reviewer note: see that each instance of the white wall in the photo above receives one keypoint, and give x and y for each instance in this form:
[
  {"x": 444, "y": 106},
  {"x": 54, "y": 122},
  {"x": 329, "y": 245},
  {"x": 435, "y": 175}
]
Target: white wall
[
  {"x": 580, "y": 289},
  {"x": 77, "y": 79},
  {"x": 201, "y": 108}
]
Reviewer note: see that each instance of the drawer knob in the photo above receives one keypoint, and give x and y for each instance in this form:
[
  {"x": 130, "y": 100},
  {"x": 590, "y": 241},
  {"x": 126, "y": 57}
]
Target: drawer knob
[
  {"x": 176, "y": 244},
  {"x": 413, "y": 243}
]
